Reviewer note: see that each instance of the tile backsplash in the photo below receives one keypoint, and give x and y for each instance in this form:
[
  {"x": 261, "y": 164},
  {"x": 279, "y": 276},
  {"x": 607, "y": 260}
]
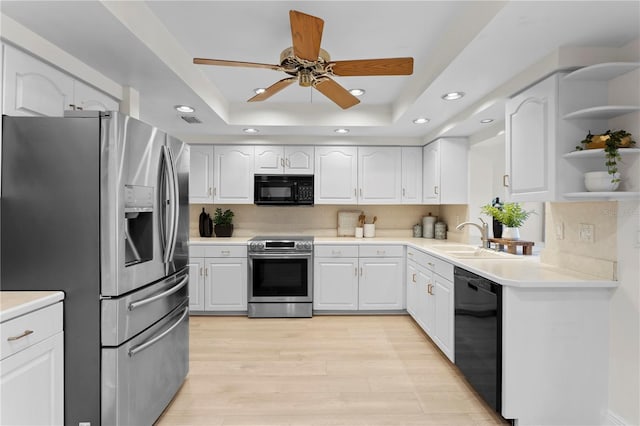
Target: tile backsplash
[
  {"x": 319, "y": 220},
  {"x": 573, "y": 244}
]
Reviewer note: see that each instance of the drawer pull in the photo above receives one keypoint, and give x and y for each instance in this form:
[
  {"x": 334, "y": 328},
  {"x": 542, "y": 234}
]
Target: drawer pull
[
  {"x": 24, "y": 334},
  {"x": 336, "y": 252},
  {"x": 381, "y": 252},
  {"x": 431, "y": 265},
  {"x": 159, "y": 337},
  {"x": 410, "y": 253},
  {"x": 225, "y": 252},
  {"x": 414, "y": 278},
  {"x": 505, "y": 181},
  {"x": 182, "y": 283}
]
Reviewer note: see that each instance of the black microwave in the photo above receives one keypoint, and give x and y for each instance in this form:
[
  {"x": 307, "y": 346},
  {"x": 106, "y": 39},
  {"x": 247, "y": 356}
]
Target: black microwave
[{"x": 283, "y": 190}]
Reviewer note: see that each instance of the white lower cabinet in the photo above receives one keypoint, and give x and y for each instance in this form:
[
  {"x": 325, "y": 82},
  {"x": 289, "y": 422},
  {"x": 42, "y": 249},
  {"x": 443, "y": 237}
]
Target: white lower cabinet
[
  {"x": 218, "y": 278},
  {"x": 32, "y": 368},
  {"x": 430, "y": 285},
  {"x": 345, "y": 281},
  {"x": 380, "y": 286}
]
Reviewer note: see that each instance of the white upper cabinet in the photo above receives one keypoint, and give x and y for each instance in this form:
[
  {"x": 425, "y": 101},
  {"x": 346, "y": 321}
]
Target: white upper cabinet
[
  {"x": 530, "y": 126},
  {"x": 201, "y": 174},
  {"x": 34, "y": 88},
  {"x": 233, "y": 174},
  {"x": 411, "y": 175},
  {"x": 86, "y": 97},
  {"x": 379, "y": 175},
  {"x": 445, "y": 171},
  {"x": 336, "y": 178},
  {"x": 290, "y": 160}
]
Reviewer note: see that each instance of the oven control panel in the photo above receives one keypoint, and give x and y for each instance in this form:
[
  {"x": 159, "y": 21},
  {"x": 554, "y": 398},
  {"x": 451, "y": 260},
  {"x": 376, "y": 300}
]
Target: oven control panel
[{"x": 280, "y": 245}]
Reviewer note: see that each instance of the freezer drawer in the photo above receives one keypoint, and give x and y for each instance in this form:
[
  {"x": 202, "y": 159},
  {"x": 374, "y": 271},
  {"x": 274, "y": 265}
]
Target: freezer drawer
[
  {"x": 124, "y": 317},
  {"x": 140, "y": 377}
]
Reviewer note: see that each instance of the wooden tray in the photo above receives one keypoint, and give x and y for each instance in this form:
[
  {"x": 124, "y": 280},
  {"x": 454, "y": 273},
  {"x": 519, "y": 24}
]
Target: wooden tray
[{"x": 512, "y": 245}]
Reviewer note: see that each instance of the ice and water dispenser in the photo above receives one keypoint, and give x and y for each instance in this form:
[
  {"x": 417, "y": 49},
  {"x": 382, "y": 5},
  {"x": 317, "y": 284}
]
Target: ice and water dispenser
[{"x": 138, "y": 227}]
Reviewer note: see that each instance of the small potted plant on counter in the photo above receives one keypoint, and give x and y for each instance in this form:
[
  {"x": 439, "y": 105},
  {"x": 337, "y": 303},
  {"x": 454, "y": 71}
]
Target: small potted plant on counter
[
  {"x": 223, "y": 226},
  {"x": 610, "y": 142},
  {"x": 511, "y": 215}
]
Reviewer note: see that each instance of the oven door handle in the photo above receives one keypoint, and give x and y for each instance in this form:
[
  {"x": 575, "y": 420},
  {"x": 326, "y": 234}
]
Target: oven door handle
[
  {"x": 159, "y": 337},
  {"x": 279, "y": 255},
  {"x": 182, "y": 283}
]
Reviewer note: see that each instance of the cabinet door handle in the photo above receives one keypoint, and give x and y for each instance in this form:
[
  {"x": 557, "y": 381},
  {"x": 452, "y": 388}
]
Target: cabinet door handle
[
  {"x": 201, "y": 272},
  {"x": 24, "y": 334},
  {"x": 356, "y": 271},
  {"x": 413, "y": 278},
  {"x": 206, "y": 272},
  {"x": 282, "y": 162},
  {"x": 410, "y": 254},
  {"x": 404, "y": 192},
  {"x": 210, "y": 191},
  {"x": 215, "y": 191},
  {"x": 360, "y": 192},
  {"x": 505, "y": 181},
  {"x": 355, "y": 192},
  {"x": 361, "y": 271},
  {"x": 287, "y": 163},
  {"x": 435, "y": 190},
  {"x": 430, "y": 289}
]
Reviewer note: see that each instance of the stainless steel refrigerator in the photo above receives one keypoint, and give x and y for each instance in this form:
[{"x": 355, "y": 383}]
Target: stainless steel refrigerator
[{"x": 96, "y": 205}]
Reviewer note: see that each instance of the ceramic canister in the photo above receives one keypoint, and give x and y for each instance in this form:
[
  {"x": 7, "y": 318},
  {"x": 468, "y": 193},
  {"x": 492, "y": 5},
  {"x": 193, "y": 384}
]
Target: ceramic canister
[
  {"x": 440, "y": 231},
  {"x": 428, "y": 223}
]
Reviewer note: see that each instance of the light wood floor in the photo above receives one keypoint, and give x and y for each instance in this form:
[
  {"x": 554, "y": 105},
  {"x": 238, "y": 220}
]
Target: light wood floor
[{"x": 326, "y": 370}]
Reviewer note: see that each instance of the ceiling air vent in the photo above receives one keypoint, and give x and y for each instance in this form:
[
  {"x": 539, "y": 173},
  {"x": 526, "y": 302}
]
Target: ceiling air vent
[{"x": 191, "y": 119}]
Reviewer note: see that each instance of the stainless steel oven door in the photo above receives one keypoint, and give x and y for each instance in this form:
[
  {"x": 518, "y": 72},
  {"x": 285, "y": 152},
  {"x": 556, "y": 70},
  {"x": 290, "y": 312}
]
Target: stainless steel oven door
[{"x": 280, "y": 277}]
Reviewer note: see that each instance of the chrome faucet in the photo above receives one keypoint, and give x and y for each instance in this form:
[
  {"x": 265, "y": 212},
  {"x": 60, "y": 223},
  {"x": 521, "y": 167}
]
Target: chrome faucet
[{"x": 484, "y": 231}]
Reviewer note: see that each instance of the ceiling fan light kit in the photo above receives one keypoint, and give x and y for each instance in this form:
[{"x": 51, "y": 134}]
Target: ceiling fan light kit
[{"x": 311, "y": 66}]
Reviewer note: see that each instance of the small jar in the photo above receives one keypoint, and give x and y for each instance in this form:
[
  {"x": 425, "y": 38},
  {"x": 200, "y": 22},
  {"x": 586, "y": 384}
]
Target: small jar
[
  {"x": 440, "y": 231},
  {"x": 417, "y": 230}
]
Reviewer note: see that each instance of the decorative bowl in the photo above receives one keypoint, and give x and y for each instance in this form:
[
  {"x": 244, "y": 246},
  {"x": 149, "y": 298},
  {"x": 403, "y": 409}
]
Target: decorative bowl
[{"x": 601, "y": 181}]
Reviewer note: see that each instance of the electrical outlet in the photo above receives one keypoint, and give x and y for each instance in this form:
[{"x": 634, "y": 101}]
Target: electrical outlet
[
  {"x": 586, "y": 233},
  {"x": 560, "y": 231}
]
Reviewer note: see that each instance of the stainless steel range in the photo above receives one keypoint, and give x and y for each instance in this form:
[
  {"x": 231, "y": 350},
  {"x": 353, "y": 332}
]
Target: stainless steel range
[{"x": 280, "y": 276}]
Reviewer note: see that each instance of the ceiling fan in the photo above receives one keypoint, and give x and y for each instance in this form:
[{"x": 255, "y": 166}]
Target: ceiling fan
[{"x": 310, "y": 65}]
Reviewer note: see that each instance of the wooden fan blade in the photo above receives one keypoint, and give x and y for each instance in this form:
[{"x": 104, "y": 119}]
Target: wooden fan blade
[
  {"x": 336, "y": 93},
  {"x": 273, "y": 89},
  {"x": 306, "y": 35},
  {"x": 363, "y": 67},
  {"x": 204, "y": 61}
]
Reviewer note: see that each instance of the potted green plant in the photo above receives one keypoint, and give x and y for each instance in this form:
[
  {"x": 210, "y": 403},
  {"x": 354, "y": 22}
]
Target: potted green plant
[
  {"x": 511, "y": 215},
  {"x": 223, "y": 226},
  {"x": 610, "y": 142}
]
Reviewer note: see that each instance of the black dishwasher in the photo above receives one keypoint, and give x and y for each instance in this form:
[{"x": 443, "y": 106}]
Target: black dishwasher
[{"x": 478, "y": 334}]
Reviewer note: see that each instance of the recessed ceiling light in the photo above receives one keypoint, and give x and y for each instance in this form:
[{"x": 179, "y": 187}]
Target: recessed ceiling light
[
  {"x": 486, "y": 120},
  {"x": 452, "y": 96},
  {"x": 259, "y": 90},
  {"x": 421, "y": 120},
  {"x": 341, "y": 131},
  {"x": 184, "y": 108},
  {"x": 357, "y": 92},
  {"x": 250, "y": 130}
]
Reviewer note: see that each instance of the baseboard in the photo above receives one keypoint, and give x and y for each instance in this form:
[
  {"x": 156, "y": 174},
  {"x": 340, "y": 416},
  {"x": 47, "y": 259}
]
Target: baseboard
[{"x": 615, "y": 420}]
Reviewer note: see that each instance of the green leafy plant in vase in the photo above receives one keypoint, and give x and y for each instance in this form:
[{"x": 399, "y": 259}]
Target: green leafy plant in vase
[
  {"x": 611, "y": 142},
  {"x": 223, "y": 222},
  {"x": 511, "y": 215}
]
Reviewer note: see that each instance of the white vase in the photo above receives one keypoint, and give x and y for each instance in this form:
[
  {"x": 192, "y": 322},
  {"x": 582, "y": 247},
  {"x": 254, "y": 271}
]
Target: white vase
[{"x": 511, "y": 233}]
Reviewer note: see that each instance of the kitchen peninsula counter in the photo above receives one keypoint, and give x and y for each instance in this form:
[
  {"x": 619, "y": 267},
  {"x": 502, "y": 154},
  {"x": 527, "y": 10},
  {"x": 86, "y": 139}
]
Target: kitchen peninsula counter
[
  {"x": 16, "y": 303},
  {"x": 510, "y": 270}
]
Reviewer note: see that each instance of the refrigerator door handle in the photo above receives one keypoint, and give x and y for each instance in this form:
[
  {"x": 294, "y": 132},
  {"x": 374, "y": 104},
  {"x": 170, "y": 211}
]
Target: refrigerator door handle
[
  {"x": 169, "y": 171},
  {"x": 175, "y": 288},
  {"x": 160, "y": 336}
]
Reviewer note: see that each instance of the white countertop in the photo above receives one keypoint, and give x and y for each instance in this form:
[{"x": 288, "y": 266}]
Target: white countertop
[
  {"x": 513, "y": 270},
  {"x": 16, "y": 303}
]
